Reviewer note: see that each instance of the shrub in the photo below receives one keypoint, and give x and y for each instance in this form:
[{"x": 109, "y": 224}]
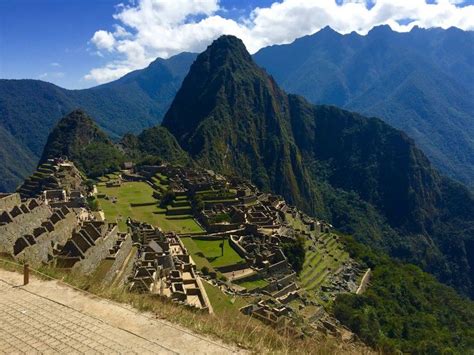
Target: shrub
[{"x": 167, "y": 198}]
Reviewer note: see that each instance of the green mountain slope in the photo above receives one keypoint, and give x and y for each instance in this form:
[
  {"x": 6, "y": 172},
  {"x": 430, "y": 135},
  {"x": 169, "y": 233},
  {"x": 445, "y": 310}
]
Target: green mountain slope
[
  {"x": 406, "y": 309},
  {"x": 365, "y": 176},
  {"x": 16, "y": 162},
  {"x": 155, "y": 143},
  {"x": 420, "y": 82},
  {"x": 78, "y": 137},
  {"x": 29, "y": 109}
]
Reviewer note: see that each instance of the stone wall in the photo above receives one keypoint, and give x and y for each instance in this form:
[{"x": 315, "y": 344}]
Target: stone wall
[
  {"x": 287, "y": 289},
  {"x": 95, "y": 254},
  {"x": 280, "y": 283},
  {"x": 42, "y": 251},
  {"x": 234, "y": 267},
  {"x": 128, "y": 270},
  {"x": 237, "y": 247},
  {"x": 222, "y": 227},
  {"x": 120, "y": 257},
  {"x": 8, "y": 201},
  {"x": 20, "y": 225},
  {"x": 278, "y": 267}
]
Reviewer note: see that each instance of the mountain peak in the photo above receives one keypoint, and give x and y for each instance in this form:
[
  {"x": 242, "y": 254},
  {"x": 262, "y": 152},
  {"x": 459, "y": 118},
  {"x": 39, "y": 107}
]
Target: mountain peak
[
  {"x": 381, "y": 30},
  {"x": 328, "y": 30},
  {"x": 215, "y": 80},
  {"x": 228, "y": 41},
  {"x": 225, "y": 49},
  {"x": 78, "y": 137},
  {"x": 78, "y": 116}
]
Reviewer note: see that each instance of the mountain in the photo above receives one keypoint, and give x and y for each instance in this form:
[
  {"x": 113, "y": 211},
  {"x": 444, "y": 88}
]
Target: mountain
[
  {"x": 217, "y": 118},
  {"x": 29, "y": 109},
  {"x": 78, "y": 137},
  {"x": 421, "y": 82},
  {"x": 366, "y": 177},
  {"x": 155, "y": 143}
]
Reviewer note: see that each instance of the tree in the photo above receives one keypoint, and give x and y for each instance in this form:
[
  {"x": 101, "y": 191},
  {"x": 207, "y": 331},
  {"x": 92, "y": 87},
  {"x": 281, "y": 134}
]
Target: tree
[
  {"x": 167, "y": 198},
  {"x": 222, "y": 247},
  {"x": 295, "y": 252}
]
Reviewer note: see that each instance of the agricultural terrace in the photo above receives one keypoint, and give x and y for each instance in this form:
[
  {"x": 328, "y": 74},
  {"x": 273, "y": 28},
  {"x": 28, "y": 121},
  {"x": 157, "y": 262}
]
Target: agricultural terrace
[
  {"x": 135, "y": 200},
  {"x": 321, "y": 260}
]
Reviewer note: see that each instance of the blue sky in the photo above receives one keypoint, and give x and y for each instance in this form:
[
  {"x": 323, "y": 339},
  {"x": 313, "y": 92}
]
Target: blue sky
[{"x": 57, "y": 40}]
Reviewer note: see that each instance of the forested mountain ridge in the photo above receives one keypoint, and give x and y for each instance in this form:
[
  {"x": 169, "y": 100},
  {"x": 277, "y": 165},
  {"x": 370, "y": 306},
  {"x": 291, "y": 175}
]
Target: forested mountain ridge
[
  {"x": 365, "y": 176},
  {"x": 77, "y": 137},
  {"x": 29, "y": 109},
  {"x": 420, "y": 82}
]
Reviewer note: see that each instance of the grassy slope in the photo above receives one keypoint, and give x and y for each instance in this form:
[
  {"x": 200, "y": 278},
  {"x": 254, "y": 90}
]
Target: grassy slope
[{"x": 253, "y": 284}]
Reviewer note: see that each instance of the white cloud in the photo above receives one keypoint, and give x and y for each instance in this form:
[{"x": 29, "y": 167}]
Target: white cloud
[
  {"x": 55, "y": 64},
  {"x": 103, "y": 40},
  {"x": 162, "y": 28}
]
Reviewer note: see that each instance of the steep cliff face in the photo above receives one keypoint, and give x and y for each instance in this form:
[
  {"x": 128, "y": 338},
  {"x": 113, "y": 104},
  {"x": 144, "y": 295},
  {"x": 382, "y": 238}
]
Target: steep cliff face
[
  {"x": 419, "y": 81},
  {"x": 365, "y": 176}
]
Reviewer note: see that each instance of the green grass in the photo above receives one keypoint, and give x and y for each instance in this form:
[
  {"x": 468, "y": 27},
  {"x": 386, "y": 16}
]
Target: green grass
[
  {"x": 195, "y": 252},
  {"x": 212, "y": 250},
  {"x": 223, "y": 304},
  {"x": 251, "y": 285},
  {"x": 162, "y": 178},
  {"x": 139, "y": 193},
  {"x": 296, "y": 223},
  {"x": 102, "y": 270},
  {"x": 224, "y": 200}
]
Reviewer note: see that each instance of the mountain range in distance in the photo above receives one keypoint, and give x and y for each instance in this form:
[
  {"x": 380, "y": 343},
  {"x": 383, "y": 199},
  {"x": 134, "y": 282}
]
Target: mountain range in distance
[
  {"x": 420, "y": 82},
  {"x": 29, "y": 109}
]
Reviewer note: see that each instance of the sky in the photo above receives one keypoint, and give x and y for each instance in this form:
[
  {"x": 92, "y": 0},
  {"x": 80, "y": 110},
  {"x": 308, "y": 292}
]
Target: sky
[{"x": 82, "y": 43}]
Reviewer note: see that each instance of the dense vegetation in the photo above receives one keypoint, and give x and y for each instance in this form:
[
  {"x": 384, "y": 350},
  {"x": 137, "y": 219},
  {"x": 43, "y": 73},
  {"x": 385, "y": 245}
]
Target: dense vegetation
[
  {"x": 420, "y": 82},
  {"x": 295, "y": 252},
  {"x": 78, "y": 138},
  {"x": 406, "y": 309},
  {"x": 29, "y": 109},
  {"x": 152, "y": 144},
  {"x": 366, "y": 177}
]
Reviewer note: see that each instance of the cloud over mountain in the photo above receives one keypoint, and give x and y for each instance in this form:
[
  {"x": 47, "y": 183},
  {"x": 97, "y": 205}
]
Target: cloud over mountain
[{"x": 147, "y": 29}]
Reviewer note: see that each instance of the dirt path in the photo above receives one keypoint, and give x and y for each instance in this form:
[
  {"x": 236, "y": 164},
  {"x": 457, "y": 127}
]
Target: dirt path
[
  {"x": 47, "y": 316},
  {"x": 364, "y": 282}
]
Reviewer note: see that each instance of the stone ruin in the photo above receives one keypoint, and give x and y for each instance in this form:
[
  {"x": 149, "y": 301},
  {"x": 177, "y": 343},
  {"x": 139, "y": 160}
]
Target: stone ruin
[
  {"x": 165, "y": 268},
  {"x": 55, "y": 175},
  {"x": 89, "y": 244},
  {"x": 41, "y": 233}
]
